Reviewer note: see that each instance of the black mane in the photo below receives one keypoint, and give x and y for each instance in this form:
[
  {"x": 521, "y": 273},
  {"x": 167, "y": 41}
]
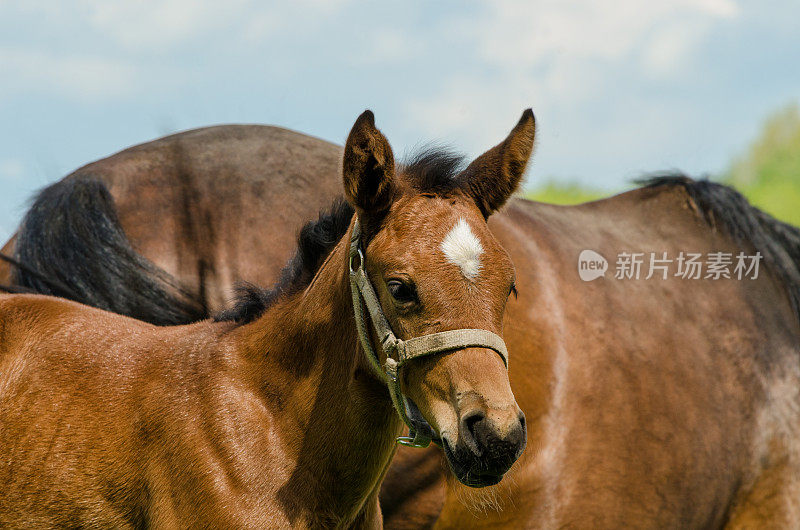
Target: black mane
[
  {"x": 71, "y": 245},
  {"x": 434, "y": 169},
  {"x": 314, "y": 243},
  {"x": 726, "y": 208}
]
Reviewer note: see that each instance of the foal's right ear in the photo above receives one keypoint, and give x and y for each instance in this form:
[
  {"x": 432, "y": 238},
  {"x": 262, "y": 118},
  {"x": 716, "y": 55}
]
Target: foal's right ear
[
  {"x": 368, "y": 167},
  {"x": 494, "y": 176}
]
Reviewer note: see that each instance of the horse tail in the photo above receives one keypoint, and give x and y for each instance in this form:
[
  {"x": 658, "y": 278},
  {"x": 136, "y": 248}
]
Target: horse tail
[
  {"x": 72, "y": 245},
  {"x": 18, "y": 289}
]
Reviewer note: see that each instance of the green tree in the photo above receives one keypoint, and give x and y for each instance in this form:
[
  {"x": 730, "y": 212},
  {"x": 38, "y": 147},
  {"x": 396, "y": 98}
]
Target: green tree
[{"x": 769, "y": 172}]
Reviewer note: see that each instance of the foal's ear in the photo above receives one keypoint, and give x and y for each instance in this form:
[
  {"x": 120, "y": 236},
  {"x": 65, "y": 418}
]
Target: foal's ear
[
  {"x": 493, "y": 177},
  {"x": 368, "y": 167}
]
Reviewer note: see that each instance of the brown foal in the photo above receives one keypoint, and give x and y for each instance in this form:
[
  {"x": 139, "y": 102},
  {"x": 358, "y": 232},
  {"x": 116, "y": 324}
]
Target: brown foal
[{"x": 272, "y": 416}]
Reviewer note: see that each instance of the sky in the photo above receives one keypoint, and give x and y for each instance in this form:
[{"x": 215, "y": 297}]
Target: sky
[{"x": 619, "y": 87}]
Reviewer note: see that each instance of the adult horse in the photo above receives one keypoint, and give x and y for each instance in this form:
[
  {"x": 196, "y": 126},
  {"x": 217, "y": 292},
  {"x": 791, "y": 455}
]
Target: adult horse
[
  {"x": 277, "y": 414},
  {"x": 659, "y": 402}
]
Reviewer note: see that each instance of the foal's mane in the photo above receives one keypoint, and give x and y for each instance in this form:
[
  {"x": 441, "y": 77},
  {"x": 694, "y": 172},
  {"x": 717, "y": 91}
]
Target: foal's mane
[{"x": 725, "y": 208}]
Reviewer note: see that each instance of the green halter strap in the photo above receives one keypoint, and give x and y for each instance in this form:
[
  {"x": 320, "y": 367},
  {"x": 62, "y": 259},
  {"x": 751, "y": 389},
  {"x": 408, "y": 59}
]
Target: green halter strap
[{"x": 397, "y": 351}]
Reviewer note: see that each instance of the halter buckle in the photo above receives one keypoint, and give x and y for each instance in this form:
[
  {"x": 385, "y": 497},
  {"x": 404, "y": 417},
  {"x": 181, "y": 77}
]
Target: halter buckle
[{"x": 390, "y": 368}]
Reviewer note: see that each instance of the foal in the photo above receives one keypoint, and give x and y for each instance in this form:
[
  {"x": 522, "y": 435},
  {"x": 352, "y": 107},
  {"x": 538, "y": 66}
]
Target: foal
[{"x": 276, "y": 415}]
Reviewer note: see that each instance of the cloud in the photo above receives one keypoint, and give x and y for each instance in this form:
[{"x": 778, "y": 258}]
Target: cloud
[
  {"x": 84, "y": 77},
  {"x": 11, "y": 169},
  {"x": 161, "y": 26},
  {"x": 106, "y": 50},
  {"x": 387, "y": 46},
  {"x": 520, "y": 33},
  {"x": 573, "y": 62},
  {"x": 156, "y": 24}
]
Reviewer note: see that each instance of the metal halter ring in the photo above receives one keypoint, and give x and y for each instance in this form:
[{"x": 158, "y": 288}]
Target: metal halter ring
[{"x": 360, "y": 256}]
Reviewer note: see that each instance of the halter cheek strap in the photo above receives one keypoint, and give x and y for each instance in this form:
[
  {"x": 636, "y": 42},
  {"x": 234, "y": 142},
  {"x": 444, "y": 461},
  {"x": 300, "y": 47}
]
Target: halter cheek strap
[{"x": 396, "y": 351}]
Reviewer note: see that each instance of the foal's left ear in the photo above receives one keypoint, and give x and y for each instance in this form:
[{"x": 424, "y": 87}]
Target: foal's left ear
[
  {"x": 493, "y": 177},
  {"x": 368, "y": 167}
]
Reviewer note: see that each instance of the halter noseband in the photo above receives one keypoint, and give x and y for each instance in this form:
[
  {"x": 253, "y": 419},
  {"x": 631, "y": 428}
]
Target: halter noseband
[{"x": 398, "y": 351}]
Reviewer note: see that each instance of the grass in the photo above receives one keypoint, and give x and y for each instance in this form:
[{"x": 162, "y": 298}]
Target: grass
[{"x": 563, "y": 193}]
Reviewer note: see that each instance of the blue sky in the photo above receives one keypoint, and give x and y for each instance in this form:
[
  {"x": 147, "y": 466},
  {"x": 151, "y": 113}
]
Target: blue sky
[{"x": 618, "y": 87}]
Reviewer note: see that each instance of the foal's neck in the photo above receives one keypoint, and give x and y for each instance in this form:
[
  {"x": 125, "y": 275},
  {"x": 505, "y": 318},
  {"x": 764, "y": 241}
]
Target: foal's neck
[{"x": 333, "y": 408}]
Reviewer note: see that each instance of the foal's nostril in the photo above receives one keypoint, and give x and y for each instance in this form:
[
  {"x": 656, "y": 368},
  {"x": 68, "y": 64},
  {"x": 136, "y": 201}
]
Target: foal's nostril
[
  {"x": 522, "y": 438},
  {"x": 471, "y": 419},
  {"x": 470, "y": 424}
]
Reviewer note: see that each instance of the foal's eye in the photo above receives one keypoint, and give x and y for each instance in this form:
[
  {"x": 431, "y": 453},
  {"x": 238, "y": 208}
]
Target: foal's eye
[{"x": 402, "y": 292}]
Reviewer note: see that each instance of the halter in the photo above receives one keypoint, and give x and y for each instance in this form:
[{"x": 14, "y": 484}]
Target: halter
[{"x": 397, "y": 351}]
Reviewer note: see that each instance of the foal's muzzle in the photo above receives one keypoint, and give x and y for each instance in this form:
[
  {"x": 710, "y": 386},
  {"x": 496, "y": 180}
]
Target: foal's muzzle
[{"x": 484, "y": 451}]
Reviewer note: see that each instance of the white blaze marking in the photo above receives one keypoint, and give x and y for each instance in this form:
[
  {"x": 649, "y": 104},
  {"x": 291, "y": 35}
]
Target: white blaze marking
[{"x": 463, "y": 248}]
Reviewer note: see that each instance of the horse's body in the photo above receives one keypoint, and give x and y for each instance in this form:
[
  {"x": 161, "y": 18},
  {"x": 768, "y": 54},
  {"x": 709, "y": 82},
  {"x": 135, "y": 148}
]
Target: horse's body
[
  {"x": 651, "y": 403},
  {"x": 172, "y": 442}
]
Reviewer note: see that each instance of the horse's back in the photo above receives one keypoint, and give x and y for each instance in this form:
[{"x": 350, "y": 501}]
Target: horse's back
[{"x": 219, "y": 195}]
